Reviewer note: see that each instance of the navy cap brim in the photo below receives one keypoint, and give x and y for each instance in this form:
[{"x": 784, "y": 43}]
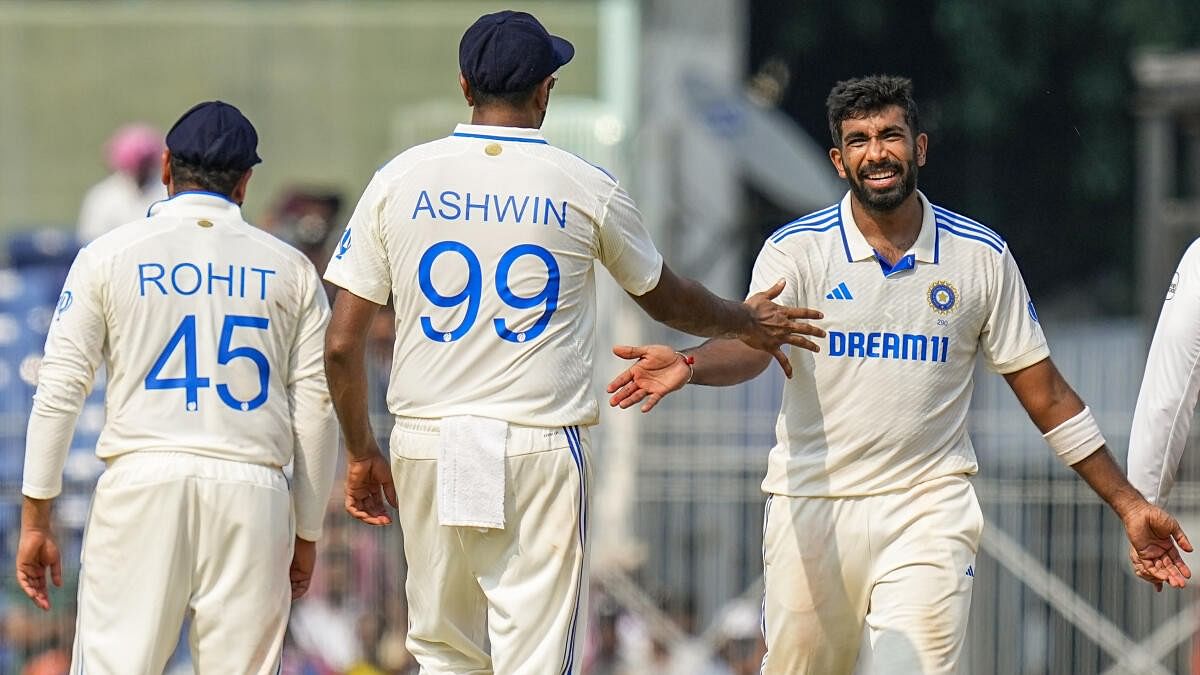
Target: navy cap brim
[{"x": 563, "y": 51}]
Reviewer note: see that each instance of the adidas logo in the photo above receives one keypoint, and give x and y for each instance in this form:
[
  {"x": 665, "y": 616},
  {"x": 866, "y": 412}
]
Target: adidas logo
[
  {"x": 971, "y": 571},
  {"x": 839, "y": 293}
]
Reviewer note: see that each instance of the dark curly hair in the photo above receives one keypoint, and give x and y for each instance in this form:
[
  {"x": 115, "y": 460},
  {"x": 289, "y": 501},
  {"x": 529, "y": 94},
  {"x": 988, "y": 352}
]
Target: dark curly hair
[{"x": 857, "y": 98}]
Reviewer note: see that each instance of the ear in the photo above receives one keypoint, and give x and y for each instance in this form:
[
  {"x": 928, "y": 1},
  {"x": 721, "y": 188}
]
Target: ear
[
  {"x": 239, "y": 191},
  {"x": 466, "y": 90},
  {"x": 835, "y": 156},
  {"x": 166, "y": 169},
  {"x": 542, "y": 98},
  {"x": 921, "y": 145}
]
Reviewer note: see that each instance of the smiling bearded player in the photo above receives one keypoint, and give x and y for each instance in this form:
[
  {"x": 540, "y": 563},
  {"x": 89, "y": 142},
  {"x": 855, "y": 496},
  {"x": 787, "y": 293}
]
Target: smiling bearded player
[{"x": 871, "y": 524}]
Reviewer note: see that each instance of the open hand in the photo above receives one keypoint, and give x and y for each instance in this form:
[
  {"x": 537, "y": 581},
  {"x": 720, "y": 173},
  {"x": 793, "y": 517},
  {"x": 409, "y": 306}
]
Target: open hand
[
  {"x": 368, "y": 484},
  {"x": 776, "y": 325},
  {"x": 659, "y": 370},
  {"x": 1153, "y": 536}
]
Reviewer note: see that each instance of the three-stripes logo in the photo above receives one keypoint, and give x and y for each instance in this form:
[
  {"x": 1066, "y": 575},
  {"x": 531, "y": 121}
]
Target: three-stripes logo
[
  {"x": 841, "y": 292},
  {"x": 971, "y": 571}
]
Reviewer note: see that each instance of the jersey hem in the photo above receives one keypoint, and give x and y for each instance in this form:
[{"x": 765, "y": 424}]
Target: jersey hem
[{"x": 1035, "y": 355}]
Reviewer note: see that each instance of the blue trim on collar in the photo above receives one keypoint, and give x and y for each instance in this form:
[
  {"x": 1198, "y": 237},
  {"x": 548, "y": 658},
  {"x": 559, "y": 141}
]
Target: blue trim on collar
[
  {"x": 206, "y": 193},
  {"x": 514, "y": 139},
  {"x": 908, "y": 262},
  {"x": 842, "y": 229}
]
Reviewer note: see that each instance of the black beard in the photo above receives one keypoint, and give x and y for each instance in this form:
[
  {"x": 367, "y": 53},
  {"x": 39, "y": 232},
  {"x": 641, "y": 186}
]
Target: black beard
[{"x": 887, "y": 200}]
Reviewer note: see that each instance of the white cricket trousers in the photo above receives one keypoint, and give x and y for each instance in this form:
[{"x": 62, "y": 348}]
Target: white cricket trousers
[
  {"x": 877, "y": 584},
  {"x": 173, "y": 534},
  {"x": 511, "y": 601}
]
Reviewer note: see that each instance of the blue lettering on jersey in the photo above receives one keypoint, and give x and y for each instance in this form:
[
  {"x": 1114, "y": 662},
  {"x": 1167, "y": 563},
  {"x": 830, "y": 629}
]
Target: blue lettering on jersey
[
  {"x": 343, "y": 245},
  {"x": 187, "y": 278},
  {"x": 487, "y": 208},
  {"x": 885, "y": 345}
]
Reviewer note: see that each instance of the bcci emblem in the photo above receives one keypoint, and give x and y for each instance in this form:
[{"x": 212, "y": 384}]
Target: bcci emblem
[
  {"x": 942, "y": 296},
  {"x": 64, "y": 303},
  {"x": 343, "y": 245}
]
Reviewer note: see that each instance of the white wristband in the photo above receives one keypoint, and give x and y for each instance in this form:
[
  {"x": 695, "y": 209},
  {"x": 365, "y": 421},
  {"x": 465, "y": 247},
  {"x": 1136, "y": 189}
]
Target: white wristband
[{"x": 1076, "y": 438}]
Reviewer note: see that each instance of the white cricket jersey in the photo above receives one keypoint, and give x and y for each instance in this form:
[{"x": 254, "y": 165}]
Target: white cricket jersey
[
  {"x": 212, "y": 334},
  {"x": 486, "y": 240},
  {"x": 1170, "y": 386},
  {"x": 883, "y": 406}
]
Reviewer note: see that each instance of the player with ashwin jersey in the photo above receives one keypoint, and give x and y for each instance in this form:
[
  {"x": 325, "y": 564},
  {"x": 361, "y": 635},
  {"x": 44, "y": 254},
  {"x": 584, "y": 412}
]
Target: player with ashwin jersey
[
  {"x": 871, "y": 525},
  {"x": 486, "y": 240},
  {"x": 212, "y": 333},
  {"x": 1170, "y": 387}
]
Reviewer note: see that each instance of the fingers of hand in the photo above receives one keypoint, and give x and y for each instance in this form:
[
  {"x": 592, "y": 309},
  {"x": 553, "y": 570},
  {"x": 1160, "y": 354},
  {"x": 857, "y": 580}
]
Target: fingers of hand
[
  {"x": 628, "y": 352},
  {"x": 1182, "y": 539},
  {"x": 783, "y": 361},
  {"x": 651, "y": 401},
  {"x": 804, "y": 343},
  {"x": 799, "y": 327},
  {"x": 634, "y": 398},
  {"x": 775, "y": 290},
  {"x": 802, "y": 313},
  {"x": 620, "y": 381}
]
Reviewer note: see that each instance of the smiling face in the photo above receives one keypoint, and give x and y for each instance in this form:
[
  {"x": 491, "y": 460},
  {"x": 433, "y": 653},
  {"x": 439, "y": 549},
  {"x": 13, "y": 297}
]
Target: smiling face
[{"x": 879, "y": 157}]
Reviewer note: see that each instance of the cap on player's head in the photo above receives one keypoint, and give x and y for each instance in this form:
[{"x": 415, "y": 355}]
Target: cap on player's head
[
  {"x": 214, "y": 135},
  {"x": 509, "y": 52}
]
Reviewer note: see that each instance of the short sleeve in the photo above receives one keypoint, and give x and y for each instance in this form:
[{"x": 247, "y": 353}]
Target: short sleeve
[
  {"x": 360, "y": 263},
  {"x": 626, "y": 250},
  {"x": 773, "y": 264},
  {"x": 1012, "y": 338}
]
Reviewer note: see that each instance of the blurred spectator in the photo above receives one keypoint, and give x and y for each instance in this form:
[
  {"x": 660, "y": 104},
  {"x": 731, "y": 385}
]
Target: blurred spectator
[
  {"x": 306, "y": 218},
  {"x": 325, "y": 624},
  {"x": 605, "y": 653},
  {"x": 740, "y": 646},
  {"x": 134, "y": 154}
]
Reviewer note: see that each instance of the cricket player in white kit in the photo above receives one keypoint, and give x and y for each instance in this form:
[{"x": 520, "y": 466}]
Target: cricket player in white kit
[
  {"x": 1170, "y": 386},
  {"x": 486, "y": 242},
  {"x": 212, "y": 333},
  {"x": 871, "y": 525}
]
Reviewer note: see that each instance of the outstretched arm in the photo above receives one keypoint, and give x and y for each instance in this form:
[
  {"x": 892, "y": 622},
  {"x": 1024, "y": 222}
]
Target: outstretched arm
[
  {"x": 1068, "y": 426},
  {"x": 660, "y": 370},
  {"x": 686, "y": 305}
]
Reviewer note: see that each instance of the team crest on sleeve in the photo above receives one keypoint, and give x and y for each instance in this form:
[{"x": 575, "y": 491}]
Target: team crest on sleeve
[
  {"x": 344, "y": 244},
  {"x": 942, "y": 296},
  {"x": 64, "y": 302}
]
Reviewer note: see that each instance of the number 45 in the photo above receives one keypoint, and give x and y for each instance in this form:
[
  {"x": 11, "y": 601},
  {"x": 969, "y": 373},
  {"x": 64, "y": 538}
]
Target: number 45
[{"x": 191, "y": 382}]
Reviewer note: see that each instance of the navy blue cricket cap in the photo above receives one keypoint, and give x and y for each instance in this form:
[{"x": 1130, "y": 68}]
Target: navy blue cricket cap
[
  {"x": 510, "y": 51},
  {"x": 214, "y": 135}
]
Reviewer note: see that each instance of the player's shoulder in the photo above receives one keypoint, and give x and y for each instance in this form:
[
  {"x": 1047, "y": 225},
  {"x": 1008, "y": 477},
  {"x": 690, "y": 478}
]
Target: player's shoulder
[
  {"x": 812, "y": 229},
  {"x": 967, "y": 230},
  {"x": 581, "y": 168},
  {"x": 120, "y": 238}
]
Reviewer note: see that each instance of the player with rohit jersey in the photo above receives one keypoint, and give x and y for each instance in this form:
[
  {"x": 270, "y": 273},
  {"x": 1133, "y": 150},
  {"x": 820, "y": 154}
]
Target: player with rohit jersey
[
  {"x": 871, "y": 524},
  {"x": 486, "y": 241},
  {"x": 211, "y": 332}
]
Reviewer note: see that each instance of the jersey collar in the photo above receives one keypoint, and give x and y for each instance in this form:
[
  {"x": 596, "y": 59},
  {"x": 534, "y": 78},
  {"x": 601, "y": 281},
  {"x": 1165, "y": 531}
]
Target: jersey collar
[
  {"x": 924, "y": 249},
  {"x": 195, "y": 203},
  {"x": 491, "y": 133}
]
